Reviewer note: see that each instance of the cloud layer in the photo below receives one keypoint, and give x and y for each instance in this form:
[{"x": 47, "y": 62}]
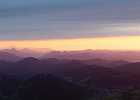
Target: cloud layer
[{"x": 46, "y": 19}]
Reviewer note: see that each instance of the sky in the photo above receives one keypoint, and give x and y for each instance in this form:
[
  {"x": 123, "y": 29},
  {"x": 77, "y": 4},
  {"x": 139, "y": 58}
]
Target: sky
[
  {"x": 100, "y": 43},
  {"x": 47, "y": 20}
]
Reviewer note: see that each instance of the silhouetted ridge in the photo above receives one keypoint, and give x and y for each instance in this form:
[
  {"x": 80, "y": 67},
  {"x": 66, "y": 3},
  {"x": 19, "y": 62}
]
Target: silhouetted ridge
[
  {"x": 49, "y": 87},
  {"x": 132, "y": 68},
  {"x": 29, "y": 60}
]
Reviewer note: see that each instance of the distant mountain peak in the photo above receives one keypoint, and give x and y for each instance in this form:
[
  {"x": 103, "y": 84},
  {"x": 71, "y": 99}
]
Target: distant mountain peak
[
  {"x": 29, "y": 60},
  {"x": 6, "y": 56}
]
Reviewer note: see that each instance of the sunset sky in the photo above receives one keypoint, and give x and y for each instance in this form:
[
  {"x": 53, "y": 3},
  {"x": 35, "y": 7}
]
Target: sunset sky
[{"x": 70, "y": 24}]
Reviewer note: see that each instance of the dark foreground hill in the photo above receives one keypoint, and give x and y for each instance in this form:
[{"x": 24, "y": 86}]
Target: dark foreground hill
[
  {"x": 42, "y": 87},
  {"x": 48, "y": 87}
]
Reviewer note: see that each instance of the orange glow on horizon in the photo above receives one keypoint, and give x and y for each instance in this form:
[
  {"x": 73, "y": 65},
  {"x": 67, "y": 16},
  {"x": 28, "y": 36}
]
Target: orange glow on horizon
[{"x": 108, "y": 43}]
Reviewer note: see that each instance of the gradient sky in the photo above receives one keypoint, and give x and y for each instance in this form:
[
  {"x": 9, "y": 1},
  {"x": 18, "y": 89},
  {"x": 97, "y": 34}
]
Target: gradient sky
[
  {"x": 64, "y": 19},
  {"x": 98, "y": 43},
  {"x": 46, "y": 19}
]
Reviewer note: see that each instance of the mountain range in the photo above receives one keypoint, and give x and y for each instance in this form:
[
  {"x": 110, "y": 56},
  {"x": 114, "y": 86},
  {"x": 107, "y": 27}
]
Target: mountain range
[
  {"x": 56, "y": 76},
  {"x": 75, "y": 71}
]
